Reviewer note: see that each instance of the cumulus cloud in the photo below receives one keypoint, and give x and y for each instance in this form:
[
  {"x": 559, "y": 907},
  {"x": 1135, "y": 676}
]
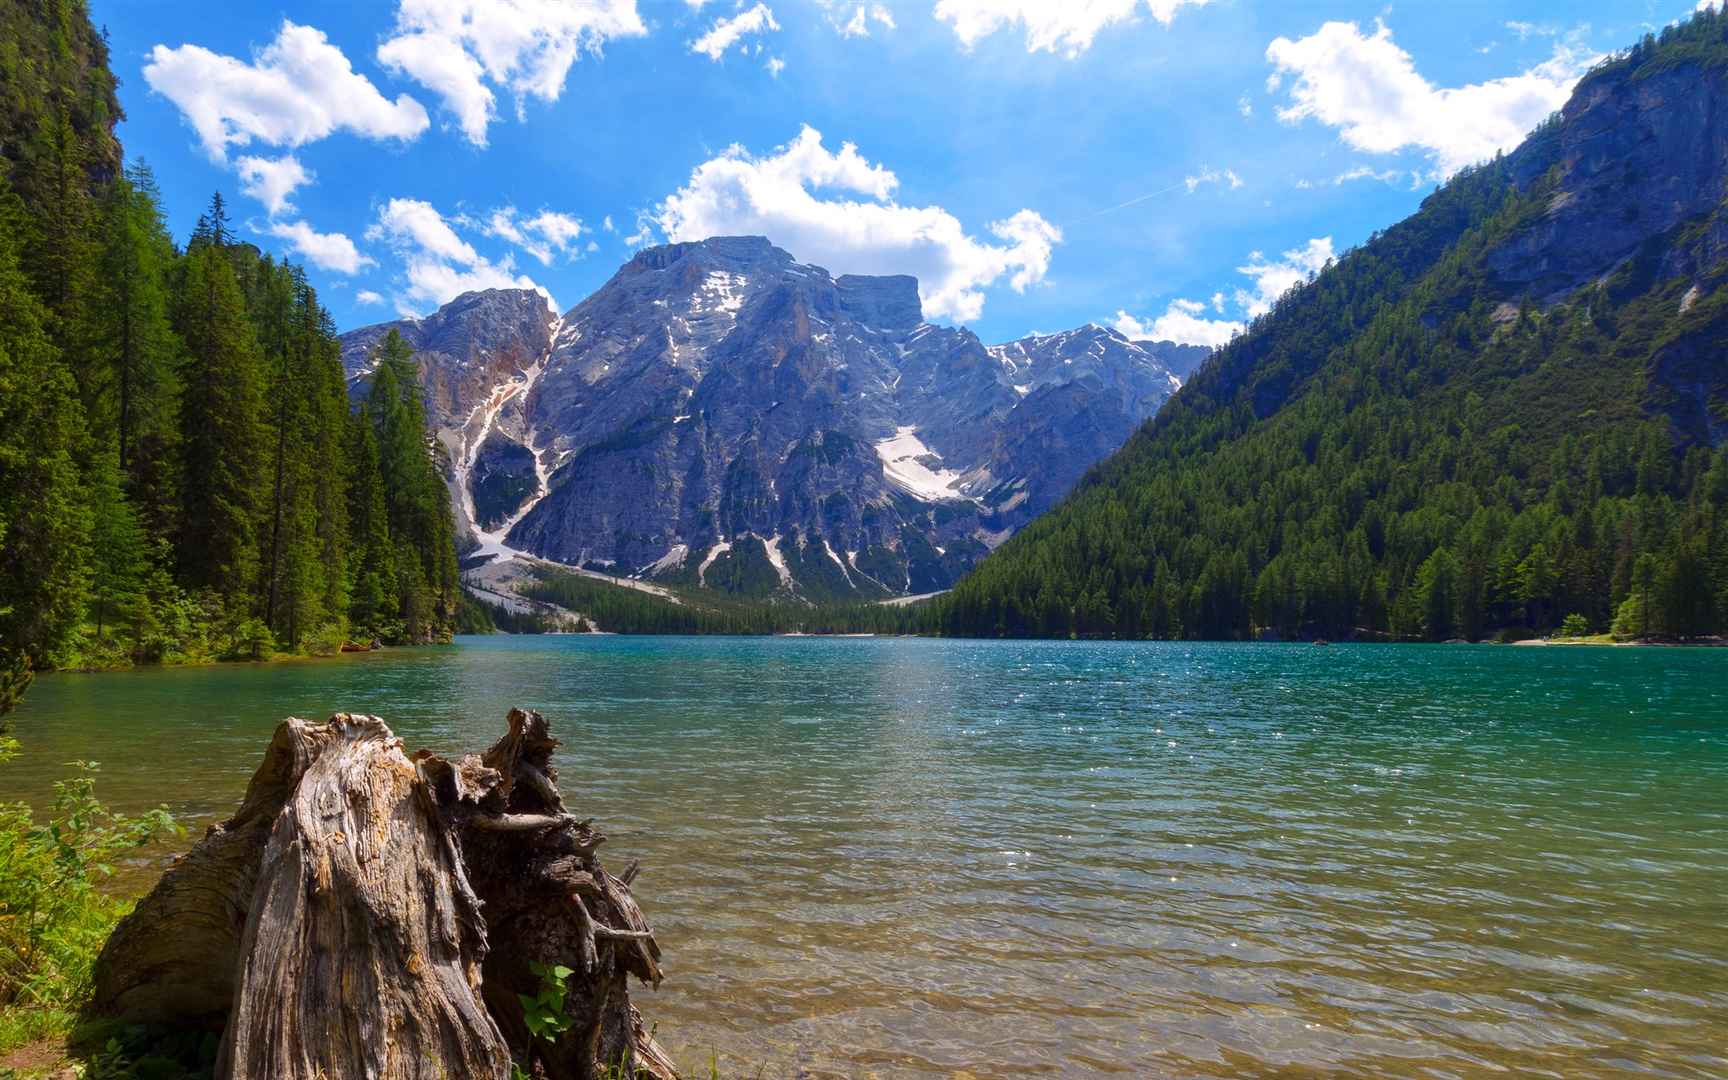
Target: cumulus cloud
[
  {"x": 837, "y": 210},
  {"x": 726, "y": 33},
  {"x": 1065, "y": 26},
  {"x": 462, "y": 49},
  {"x": 438, "y": 265},
  {"x": 775, "y": 66},
  {"x": 543, "y": 236},
  {"x": 298, "y": 89},
  {"x": 1368, "y": 88},
  {"x": 1273, "y": 278},
  {"x": 368, "y": 297},
  {"x": 327, "y": 251},
  {"x": 272, "y": 181},
  {"x": 1186, "y": 322}
]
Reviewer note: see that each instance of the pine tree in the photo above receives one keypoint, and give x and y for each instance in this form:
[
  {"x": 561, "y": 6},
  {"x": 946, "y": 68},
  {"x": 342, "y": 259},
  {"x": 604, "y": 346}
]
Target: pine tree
[
  {"x": 61, "y": 254},
  {"x": 221, "y": 431},
  {"x": 133, "y": 335},
  {"x": 419, "y": 507},
  {"x": 212, "y": 229},
  {"x": 119, "y": 548},
  {"x": 373, "y": 590},
  {"x": 44, "y": 518}
]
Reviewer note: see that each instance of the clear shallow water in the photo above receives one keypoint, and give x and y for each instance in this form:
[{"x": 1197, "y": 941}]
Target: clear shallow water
[{"x": 918, "y": 858}]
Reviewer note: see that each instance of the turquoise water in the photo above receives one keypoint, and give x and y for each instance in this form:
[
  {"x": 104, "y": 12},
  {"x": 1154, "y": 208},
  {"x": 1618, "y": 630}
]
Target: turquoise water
[{"x": 982, "y": 859}]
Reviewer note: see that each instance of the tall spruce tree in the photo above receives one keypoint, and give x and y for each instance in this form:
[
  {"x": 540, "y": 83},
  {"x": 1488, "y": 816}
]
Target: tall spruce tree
[
  {"x": 222, "y": 434},
  {"x": 44, "y": 515},
  {"x": 134, "y": 338},
  {"x": 419, "y": 507},
  {"x": 374, "y": 590}
]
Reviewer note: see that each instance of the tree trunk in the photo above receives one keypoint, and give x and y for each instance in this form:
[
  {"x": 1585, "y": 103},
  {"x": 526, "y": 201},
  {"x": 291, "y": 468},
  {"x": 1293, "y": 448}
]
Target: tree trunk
[{"x": 367, "y": 914}]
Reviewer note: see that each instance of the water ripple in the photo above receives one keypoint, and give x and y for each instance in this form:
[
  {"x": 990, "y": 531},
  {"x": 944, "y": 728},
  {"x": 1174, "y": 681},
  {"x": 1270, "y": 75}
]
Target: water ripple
[{"x": 929, "y": 859}]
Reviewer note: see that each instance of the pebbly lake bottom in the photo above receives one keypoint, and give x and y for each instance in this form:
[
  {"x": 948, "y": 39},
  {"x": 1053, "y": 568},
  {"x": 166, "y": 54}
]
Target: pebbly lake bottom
[{"x": 911, "y": 858}]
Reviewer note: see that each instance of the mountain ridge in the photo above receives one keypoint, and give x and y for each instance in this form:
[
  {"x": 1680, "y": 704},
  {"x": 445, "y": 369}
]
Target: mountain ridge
[
  {"x": 1503, "y": 410},
  {"x": 719, "y": 414}
]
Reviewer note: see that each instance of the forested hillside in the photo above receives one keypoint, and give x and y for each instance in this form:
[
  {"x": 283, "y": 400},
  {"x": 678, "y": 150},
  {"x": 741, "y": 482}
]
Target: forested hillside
[
  {"x": 1504, "y": 412},
  {"x": 181, "y": 475}
]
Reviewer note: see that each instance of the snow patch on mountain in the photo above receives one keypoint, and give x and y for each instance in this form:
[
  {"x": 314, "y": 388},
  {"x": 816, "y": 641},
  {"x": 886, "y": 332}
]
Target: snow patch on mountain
[{"x": 905, "y": 461}]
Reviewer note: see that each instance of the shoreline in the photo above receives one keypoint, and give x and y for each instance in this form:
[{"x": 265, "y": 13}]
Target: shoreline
[{"x": 277, "y": 658}]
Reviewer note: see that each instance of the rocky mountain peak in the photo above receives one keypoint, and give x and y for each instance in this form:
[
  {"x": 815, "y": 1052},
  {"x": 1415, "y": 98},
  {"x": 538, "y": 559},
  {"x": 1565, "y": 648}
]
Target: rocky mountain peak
[
  {"x": 739, "y": 254},
  {"x": 719, "y": 414},
  {"x": 888, "y": 303}
]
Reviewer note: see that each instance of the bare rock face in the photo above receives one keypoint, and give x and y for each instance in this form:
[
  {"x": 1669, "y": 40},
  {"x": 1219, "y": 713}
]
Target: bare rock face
[
  {"x": 721, "y": 415},
  {"x": 1631, "y": 160},
  {"x": 372, "y": 914}
]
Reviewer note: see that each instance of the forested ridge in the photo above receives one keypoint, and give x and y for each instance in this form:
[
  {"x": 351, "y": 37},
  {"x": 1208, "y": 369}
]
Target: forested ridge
[
  {"x": 1401, "y": 450},
  {"x": 182, "y": 476}
]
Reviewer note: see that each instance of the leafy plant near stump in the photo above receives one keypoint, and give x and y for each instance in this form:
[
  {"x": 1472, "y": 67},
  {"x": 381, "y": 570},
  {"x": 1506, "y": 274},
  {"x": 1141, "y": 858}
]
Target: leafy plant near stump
[{"x": 544, "y": 1012}]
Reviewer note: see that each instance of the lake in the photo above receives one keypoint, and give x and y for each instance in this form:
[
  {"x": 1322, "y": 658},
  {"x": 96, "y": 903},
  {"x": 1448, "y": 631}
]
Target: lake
[{"x": 910, "y": 858}]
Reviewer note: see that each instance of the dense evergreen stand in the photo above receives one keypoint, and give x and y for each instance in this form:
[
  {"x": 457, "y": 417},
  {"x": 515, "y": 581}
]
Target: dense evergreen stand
[{"x": 182, "y": 477}]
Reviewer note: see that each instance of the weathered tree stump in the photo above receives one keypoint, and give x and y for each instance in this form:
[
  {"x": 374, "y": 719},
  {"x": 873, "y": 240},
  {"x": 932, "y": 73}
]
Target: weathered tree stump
[{"x": 370, "y": 915}]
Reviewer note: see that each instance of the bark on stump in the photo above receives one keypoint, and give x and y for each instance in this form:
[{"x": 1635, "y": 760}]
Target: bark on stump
[{"x": 368, "y": 914}]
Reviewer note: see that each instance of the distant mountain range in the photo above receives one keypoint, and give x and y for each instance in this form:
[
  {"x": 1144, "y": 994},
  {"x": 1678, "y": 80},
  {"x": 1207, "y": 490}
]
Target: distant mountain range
[{"x": 719, "y": 414}]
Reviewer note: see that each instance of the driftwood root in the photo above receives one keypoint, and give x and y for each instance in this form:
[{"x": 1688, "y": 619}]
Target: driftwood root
[{"x": 370, "y": 914}]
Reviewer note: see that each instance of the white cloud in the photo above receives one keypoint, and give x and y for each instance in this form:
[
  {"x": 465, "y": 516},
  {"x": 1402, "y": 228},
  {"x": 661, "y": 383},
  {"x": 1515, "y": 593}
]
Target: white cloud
[
  {"x": 1384, "y": 176},
  {"x": 1185, "y": 321},
  {"x": 727, "y": 32},
  {"x": 461, "y": 49},
  {"x": 1180, "y": 323},
  {"x": 368, "y": 297},
  {"x": 1209, "y": 175},
  {"x": 438, "y": 265},
  {"x": 298, "y": 89},
  {"x": 1066, "y": 26},
  {"x": 775, "y": 66},
  {"x": 854, "y": 19},
  {"x": 860, "y": 229},
  {"x": 1245, "y": 106},
  {"x": 327, "y": 251},
  {"x": 1273, "y": 279},
  {"x": 1369, "y": 88},
  {"x": 544, "y": 235},
  {"x": 272, "y": 181}
]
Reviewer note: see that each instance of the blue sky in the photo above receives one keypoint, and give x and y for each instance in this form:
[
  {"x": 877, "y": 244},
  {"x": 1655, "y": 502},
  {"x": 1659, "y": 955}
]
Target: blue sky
[{"x": 1166, "y": 166}]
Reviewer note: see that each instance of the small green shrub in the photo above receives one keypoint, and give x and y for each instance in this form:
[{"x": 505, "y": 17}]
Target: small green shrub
[
  {"x": 1575, "y": 626},
  {"x": 53, "y": 918},
  {"x": 328, "y": 639}
]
